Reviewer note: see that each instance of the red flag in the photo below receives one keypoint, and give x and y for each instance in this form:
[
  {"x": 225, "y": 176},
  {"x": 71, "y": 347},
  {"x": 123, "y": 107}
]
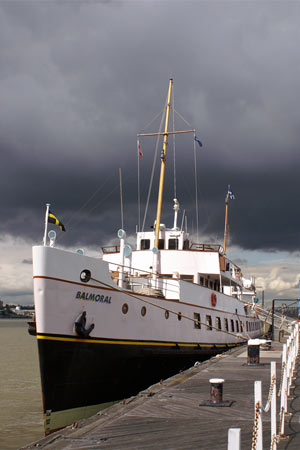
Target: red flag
[{"x": 139, "y": 148}]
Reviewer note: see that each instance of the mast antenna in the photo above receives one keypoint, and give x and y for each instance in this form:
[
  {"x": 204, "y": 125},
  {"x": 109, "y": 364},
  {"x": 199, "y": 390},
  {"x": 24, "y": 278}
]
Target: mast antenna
[
  {"x": 121, "y": 199},
  {"x": 196, "y": 189},
  {"x": 231, "y": 196}
]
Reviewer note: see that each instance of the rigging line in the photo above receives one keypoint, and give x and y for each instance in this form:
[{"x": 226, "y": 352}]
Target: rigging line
[
  {"x": 153, "y": 167},
  {"x": 87, "y": 202},
  {"x": 151, "y": 122},
  {"x": 196, "y": 189},
  {"x": 238, "y": 336},
  {"x": 182, "y": 118},
  {"x": 103, "y": 200},
  {"x": 174, "y": 147},
  {"x": 77, "y": 221},
  {"x": 94, "y": 207}
]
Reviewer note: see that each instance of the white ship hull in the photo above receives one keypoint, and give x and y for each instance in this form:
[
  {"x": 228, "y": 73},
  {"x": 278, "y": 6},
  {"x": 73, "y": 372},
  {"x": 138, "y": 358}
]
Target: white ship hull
[{"x": 136, "y": 340}]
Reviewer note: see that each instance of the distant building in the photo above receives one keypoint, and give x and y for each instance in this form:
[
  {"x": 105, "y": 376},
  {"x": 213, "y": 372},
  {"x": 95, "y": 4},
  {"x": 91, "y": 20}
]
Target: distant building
[{"x": 1, "y": 304}]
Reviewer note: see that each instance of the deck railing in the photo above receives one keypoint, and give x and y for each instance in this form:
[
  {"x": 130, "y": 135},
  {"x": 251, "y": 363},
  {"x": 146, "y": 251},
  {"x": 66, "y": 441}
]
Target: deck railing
[
  {"x": 205, "y": 247},
  {"x": 290, "y": 354}
]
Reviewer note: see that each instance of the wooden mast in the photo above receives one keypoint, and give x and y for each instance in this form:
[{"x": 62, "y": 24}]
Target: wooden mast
[
  {"x": 163, "y": 165},
  {"x": 226, "y": 220}
]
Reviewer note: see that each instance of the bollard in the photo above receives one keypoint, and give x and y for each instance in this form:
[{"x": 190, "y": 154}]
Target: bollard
[
  {"x": 234, "y": 439},
  {"x": 216, "y": 394},
  {"x": 273, "y": 407},
  {"x": 253, "y": 352},
  {"x": 257, "y": 440},
  {"x": 216, "y": 390}
]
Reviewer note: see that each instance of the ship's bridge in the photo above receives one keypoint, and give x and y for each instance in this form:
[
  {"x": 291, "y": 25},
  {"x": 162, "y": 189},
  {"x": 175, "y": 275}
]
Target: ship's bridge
[{"x": 169, "y": 239}]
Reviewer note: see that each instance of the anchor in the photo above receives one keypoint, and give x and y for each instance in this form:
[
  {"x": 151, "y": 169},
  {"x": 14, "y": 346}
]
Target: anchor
[{"x": 80, "y": 326}]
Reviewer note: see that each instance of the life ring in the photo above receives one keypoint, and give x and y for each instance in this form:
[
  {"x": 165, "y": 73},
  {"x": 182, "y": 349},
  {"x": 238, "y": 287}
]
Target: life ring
[{"x": 213, "y": 299}]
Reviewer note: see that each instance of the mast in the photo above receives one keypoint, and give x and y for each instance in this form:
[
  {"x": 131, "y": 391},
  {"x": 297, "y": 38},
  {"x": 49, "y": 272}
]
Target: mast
[
  {"x": 163, "y": 165},
  {"x": 229, "y": 195},
  {"x": 165, "y": 134},
  {"x": 226, "y": 220}
]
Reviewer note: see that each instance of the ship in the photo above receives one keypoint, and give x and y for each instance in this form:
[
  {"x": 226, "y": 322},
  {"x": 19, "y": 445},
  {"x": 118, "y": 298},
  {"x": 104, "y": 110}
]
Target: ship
[{"x": 108, "y": 327}]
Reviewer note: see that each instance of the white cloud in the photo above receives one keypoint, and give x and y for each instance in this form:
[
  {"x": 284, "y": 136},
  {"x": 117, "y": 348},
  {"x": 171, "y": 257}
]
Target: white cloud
[{"x": 15, "y": 275}]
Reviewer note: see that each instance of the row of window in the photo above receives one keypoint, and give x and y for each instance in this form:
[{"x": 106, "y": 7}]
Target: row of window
[
  {"x": 172, "y": 244},
  {"x": 234, "y": 325},
  {"x": 215, "y": 285}
]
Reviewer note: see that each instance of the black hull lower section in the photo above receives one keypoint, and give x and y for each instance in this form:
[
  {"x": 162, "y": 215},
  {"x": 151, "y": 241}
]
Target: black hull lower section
[{"x": 78, "y": 374}]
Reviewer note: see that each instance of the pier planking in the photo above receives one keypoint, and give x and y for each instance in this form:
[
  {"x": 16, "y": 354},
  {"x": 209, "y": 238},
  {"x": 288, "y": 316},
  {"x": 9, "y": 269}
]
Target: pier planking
[{"x": 168, "y": 416}]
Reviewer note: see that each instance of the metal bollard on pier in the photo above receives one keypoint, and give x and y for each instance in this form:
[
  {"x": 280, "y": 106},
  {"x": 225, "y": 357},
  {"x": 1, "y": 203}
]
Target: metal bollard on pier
[
  {"x": 253, "y": 352},
  {"x": 216, "y": 394}
]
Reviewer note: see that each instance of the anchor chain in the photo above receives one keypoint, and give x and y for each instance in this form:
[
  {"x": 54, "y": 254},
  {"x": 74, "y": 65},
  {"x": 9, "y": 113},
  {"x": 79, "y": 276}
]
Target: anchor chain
[
  {"x": 275, "y": 439},
  {"x": 268, "y": 404},
  {"x": 255, "y": 426},
  {"x": 281, "y": 420}
]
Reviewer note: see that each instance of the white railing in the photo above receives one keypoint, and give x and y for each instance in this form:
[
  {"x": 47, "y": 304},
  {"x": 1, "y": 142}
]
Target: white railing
[{"x": 289, "y": 357}]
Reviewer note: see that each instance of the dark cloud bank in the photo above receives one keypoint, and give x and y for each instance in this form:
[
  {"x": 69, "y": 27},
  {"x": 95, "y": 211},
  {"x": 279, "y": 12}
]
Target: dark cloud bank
[{"x": 79, "y": 80}]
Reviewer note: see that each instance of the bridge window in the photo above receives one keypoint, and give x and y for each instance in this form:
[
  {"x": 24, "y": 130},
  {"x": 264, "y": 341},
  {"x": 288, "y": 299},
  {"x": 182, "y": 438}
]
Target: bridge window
[
  {"x": 161, "y": 244},
  {"x": 218, "y": 323},
  {"x": 173, "y": 244},
  {"x": 237, "y": 325},
  {"x": 145, "y": 244}
]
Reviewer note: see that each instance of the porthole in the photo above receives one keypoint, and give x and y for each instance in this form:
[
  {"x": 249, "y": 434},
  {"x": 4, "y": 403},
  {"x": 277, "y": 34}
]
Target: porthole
[
  {"x": 179, "y": 316},
  {"x": 125, "y": 308},
  {"x": 143, "y": 311},
  {"x": 167, "y": 314}
]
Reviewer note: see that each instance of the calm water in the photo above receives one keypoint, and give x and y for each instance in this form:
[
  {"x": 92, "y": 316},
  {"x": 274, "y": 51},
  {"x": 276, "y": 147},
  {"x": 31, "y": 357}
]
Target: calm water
[{"x": 20, "y": 389}]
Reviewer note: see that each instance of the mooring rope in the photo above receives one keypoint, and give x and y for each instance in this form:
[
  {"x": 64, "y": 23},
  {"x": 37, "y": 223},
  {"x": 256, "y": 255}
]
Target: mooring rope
[{"x": 210, "y": 326}]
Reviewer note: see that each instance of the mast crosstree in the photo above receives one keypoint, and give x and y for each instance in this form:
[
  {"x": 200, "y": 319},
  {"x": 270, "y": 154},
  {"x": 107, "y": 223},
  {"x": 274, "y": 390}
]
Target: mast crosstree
[{"x": 165, "y": 134}]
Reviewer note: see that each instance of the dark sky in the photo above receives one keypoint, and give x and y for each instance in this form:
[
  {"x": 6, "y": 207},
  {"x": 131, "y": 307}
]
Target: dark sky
[{"x": 79, "y": 80}]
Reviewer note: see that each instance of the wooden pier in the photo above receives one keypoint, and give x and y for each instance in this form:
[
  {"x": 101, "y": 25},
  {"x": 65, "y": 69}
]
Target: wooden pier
[{"x": 168, "y": 416}]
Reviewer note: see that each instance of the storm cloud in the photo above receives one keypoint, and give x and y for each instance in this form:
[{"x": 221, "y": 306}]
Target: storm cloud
[{"x": 79, "y": 80}]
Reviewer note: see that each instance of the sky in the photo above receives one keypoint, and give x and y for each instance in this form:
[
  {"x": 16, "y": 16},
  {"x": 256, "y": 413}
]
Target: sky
[{"x": 80, "y": 79}]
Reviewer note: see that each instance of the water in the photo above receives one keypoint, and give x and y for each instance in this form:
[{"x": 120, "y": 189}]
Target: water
[{"x": 20, "y": 389}]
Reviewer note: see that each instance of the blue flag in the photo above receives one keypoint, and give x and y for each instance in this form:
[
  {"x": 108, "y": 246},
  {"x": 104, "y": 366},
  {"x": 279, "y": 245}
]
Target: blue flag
[{"x": 198, "y": 140}]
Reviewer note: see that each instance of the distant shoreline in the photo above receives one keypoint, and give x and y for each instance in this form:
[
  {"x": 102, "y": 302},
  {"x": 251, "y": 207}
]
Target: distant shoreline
[{"x": 15, "y": 317}]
